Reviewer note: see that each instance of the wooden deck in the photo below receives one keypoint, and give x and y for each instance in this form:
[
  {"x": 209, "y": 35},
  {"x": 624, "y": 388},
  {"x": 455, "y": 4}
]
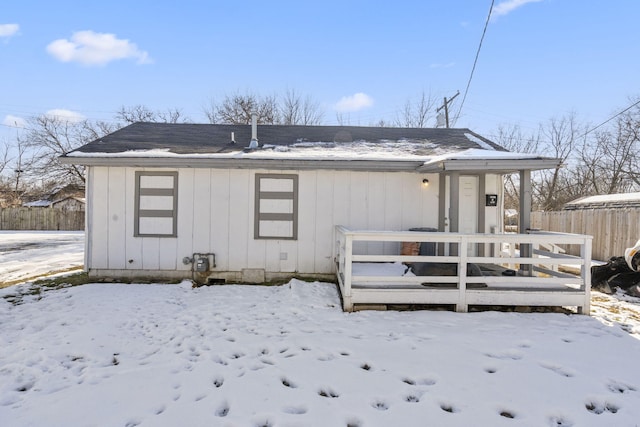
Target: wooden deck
[{"x": 537, "y": 282}]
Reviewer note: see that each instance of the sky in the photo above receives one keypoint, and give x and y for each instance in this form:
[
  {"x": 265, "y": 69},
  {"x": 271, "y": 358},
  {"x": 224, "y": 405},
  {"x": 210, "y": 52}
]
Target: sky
[
  {"x": 114, "y": 354},
  {"x": 358, "y": 59}
]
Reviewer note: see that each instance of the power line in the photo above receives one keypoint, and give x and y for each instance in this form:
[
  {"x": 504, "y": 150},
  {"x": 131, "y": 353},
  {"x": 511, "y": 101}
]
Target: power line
[
  {"x": 609, "y": 119},
  {"x": 475, "y": 61}
]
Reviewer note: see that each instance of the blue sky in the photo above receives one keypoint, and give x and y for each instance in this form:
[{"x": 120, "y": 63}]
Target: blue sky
[{"x": 365, "y": 59}]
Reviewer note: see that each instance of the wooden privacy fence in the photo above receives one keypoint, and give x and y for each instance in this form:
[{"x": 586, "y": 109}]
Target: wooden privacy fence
[
  {"x": 41, "y": 219},
  {"x": 613, "y": 230}
]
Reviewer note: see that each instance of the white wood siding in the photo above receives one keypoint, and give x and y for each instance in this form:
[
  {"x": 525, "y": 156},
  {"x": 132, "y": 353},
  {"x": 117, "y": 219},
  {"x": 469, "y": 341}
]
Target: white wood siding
[{"x": 216, "y": 208}]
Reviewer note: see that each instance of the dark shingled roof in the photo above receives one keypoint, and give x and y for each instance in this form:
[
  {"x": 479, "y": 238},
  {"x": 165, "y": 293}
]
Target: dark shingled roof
[{"x": 187, "y": 138}]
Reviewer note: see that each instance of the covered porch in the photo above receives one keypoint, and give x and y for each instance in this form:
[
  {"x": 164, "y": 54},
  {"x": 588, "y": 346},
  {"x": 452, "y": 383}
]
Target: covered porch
[{"x": 515, "y": 269}]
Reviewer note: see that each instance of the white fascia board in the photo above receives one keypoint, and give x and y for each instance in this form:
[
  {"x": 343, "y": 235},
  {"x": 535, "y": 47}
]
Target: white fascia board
[
  {"x": 505, "y": 165},
  {"x": 229, "y": 163}
]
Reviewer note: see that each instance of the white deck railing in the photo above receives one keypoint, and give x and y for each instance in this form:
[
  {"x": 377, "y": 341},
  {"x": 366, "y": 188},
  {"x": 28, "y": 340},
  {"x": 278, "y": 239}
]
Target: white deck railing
[{"x": 537, "y": 282}]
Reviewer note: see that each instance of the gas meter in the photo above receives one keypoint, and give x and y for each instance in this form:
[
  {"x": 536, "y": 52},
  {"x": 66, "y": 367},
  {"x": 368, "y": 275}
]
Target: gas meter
[{"x": 202, "y": 264}]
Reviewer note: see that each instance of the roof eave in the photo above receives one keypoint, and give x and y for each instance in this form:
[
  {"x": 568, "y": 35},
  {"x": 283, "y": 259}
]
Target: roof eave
[
  {"x": 230, "y": 163},
  {"x": 505, "y": 165}
]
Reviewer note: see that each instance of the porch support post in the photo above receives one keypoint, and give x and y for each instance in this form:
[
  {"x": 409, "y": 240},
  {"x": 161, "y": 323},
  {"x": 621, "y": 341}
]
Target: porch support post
[
  {"x": 525, "y": 218},
  {"x": 442, "y": 208},
  {"x": 482, "y": 181},
  {"x": 454, "y": 209}
]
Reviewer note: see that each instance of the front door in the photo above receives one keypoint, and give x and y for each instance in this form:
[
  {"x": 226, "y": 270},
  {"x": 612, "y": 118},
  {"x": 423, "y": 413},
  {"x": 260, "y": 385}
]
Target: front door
[{"x": 468, "y": 213}]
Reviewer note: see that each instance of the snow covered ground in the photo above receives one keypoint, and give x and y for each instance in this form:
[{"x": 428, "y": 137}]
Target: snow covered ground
[
  {"x": 28, "y": 254},
  {"x": 168, "y": 355}
]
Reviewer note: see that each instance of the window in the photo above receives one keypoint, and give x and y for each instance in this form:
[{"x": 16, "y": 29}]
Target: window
[
  {"x": 276, "y": 207},
  {"x": 156, "y": 204}
]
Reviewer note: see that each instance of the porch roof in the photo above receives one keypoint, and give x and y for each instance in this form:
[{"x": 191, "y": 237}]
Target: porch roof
[{"x": 489, "y": 162}]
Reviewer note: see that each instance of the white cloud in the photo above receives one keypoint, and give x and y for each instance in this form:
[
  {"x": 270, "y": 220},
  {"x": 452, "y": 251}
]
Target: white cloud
[
  {"x": 14, "y": 121},
  {"x": 8, "y": 30},
  {"x": 355, "y": 102},
  {"x": 90, "y": 48},
  {"x": 65, "y": 115},
  {"x": 509, "y": 6}
]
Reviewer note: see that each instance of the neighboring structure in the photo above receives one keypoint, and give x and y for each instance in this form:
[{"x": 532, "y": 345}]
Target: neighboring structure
[
  {"x": 612, "y": 219},
  {"x": 69, "y": 204},
  {"x": 65, "y": 197},
  {"x": 605, "y": 201},
  {"x": 174, "y": 200}
]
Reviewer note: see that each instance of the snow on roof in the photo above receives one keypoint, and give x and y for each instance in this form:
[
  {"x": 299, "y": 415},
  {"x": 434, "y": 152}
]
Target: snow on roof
[
  {"x": 605, "y": 198},
  {"x": 478, "y": 141},
  {"x": 607, "y": 201},
  {"x": 357, "y": 150},
  {"x": 37, "y": 204}
]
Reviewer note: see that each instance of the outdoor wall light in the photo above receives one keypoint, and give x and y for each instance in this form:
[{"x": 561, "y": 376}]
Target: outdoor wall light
[{"x": 425, "y": 182}]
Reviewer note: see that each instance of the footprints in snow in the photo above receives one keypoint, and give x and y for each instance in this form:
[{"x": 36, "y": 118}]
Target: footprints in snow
[
  {"x": 414, "y": 392},
  {"x": 600, "y": 406},
  {"x": 619, "y": 387},
  {"x": 596, "y": 406},
  {"x": 424, "y": 381},
  {"x": 223, "y": 410},
  {"x": 380, "y": 405},
  {"x": 557, "y": 369},
  {"x": 327, "y": 392},
  {"x": 218, "y": 381},
  {"x": 287, "y": 383}
]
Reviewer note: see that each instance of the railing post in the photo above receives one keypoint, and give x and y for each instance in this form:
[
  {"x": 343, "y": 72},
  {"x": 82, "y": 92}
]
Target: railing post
[
  {"x": 463, "y": 248},
  {"x": 348, "y": 256},
  {"x": 585, "y": 273}
]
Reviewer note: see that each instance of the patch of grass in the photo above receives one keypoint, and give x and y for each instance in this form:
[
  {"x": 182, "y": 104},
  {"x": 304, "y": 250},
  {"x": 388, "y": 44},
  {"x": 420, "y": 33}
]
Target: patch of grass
[
  {"x": 40, "y": 286},
  {"x": 48, "y": 284},
  {"x": 63, "y": 281},
  {"x": 27, "y": 279}
]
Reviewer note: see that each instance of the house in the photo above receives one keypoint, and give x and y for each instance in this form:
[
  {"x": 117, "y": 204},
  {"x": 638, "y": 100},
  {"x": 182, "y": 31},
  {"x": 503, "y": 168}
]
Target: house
[
  {"x": 248, "y": 203},
  {"x": 63, "y": 197},
  {"x": 69, "y": 203}
]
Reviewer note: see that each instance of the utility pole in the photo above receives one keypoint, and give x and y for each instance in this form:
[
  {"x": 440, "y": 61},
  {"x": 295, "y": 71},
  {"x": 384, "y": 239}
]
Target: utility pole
[{"x": 446, "y": 107}]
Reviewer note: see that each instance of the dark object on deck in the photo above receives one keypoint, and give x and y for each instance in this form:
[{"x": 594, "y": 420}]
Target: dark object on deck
[
  {"x": 439, "y": 268},
  {"x": 443, "y": 269},
  {"x": 615, "y": 274},
  {"x": 446, "y": 269},
  {"x": 509, "y": 272},
  {"x": 426, "y": 248}
]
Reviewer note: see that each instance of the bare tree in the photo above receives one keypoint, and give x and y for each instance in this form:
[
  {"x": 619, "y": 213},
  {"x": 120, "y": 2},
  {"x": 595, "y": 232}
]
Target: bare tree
[
  {"x": 296, "y": 110},
  {"x": 140, "y": 113},
  {"x": 416, "y": 114},
  {"x": 209, "y": 110},
  {"x": 237, "y": 109},
  {"x": 629, "y": 136},
  {"x": 47, "y": 137},
  {"x": 4, "y": 156},
  {"x": 343, "y": 119},
  {"x": 559, "y": 137},
  {"x": 514, "y": 139},
  {"x": 21, "y": 165}
]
